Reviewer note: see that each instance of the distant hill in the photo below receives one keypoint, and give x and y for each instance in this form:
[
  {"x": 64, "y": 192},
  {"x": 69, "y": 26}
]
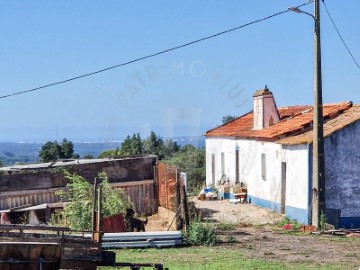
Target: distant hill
[{"x": 12, "y": 152}]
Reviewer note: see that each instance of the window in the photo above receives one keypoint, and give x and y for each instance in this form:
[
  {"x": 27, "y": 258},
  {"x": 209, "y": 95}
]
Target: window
[
  {"x": 263, "y": 166},
  {"x": 222, "y": 163}
]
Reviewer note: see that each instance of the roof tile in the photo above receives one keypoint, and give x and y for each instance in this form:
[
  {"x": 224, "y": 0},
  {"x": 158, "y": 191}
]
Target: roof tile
[{"x": 294, "y": 125}]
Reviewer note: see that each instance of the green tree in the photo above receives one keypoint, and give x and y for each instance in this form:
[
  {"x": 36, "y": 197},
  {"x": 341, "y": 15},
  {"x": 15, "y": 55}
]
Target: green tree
[
  {"x": 132, "y": 145},
  {"x": 50, "y": 151},
  {"x": 53, "y": 151},
  {"x": 191, "y": 160},
  {"x": 170, "y": 148},
  {"x": 154, "y": 144},
  {"x": 1, "y": 163},
  {"x": 228, "y": 118},
  {"x": 79, "y": 194},
  {"x": 67, "y": 149},
  {"x": 136, "y": 144},
  {"x": 110, "y": 153},
  {"x": 126, "y": 146}
]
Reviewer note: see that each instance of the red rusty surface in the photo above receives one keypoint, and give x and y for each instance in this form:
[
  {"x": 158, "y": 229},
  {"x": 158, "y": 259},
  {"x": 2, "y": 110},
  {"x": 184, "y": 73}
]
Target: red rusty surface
[
  {"x": 113, "y": 224},
  {"x": 166, "y": 181}
]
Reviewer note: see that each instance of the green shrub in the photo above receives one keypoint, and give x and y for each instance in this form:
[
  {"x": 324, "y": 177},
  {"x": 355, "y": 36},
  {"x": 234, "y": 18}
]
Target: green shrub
[
  {"x": 295, "y": 224},
  {"x": 283, "y": 222},
  {"x": 201, "y": 234},
  {"x": 323, "y": 221},
  {"x": 224, "y": 226},
  {"x": 231, "y": 239},
  {"x": 79, "y": 196}
]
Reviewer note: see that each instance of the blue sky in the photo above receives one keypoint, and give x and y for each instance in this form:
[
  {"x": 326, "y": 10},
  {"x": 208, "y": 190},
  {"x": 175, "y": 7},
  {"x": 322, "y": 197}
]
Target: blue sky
[{"x": 184, "y": 92}]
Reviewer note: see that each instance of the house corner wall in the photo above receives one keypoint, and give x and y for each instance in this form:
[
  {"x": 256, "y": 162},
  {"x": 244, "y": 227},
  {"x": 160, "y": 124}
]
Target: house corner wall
[{"x": 342, "y": 193}]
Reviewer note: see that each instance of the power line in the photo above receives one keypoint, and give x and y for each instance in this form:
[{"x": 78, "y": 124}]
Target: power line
[
  {"x": 343, "y": 41},
  {"x": 150, "y": 55}
]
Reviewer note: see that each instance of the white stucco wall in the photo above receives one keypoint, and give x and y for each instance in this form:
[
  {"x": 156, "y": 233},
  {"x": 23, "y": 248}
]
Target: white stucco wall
[
  {"x": 297, "y": 188},
  {"x": 268, "y": 189},
  {"x": 265, "y": 192},
  {"x": 217, "y": 146}
]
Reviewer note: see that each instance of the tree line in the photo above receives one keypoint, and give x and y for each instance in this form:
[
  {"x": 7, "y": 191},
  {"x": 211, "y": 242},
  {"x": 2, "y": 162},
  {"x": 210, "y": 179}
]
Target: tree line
[
  {"x": 153, "y": 144},
  {"x": 188, "y": 158}
]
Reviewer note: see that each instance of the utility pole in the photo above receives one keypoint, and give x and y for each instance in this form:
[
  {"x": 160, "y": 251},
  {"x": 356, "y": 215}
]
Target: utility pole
[
  {"x": 318, "y": 170},
  {"x": 318, "y": 155}
]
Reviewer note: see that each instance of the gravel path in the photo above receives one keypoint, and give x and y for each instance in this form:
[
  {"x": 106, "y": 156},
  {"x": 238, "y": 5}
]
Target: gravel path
[{"x": 226, "y": 212}]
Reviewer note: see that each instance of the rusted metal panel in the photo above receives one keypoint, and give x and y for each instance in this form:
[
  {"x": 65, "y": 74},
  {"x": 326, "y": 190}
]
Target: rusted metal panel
[
  {"x": 141, "y": 194},
  {"x": 113, "y": 224},
  {"x": 166, "y": 181},
  {"x": 29, "y": 256},
  {"x": 75, "y": 251}
]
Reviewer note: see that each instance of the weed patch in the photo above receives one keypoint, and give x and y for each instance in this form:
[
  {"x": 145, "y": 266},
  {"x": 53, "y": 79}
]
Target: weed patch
[
  {"x": 201, "y": 234},
  {"x": 225, "y": 226}
]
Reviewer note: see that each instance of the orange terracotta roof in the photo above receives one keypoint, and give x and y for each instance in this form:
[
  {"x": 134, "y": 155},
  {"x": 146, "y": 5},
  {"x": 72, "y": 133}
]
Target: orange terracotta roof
[
  {"x": 332, "y": 125},
  {"x": 294, "y": 120}
]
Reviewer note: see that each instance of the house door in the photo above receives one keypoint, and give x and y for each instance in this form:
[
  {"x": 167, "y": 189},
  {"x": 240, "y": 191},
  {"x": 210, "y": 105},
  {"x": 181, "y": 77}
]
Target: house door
[
  {"x": 237, "y": 167},
  {"x": 213, "y": 169},
  {"x": 283, "y": 187}
]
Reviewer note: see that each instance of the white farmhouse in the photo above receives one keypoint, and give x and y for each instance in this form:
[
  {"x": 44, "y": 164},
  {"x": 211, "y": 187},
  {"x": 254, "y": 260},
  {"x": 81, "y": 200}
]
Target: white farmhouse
[{"x": 269, "y": 151}]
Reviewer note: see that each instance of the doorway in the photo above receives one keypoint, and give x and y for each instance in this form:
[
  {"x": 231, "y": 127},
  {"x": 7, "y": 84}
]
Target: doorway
[
  {"x": 283, "y": 187},
  {"x": 213, "y": 169}
]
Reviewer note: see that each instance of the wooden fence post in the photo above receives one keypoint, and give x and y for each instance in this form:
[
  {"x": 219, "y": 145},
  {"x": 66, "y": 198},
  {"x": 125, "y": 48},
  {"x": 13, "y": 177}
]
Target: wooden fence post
[
  {"x": 93, "y": 225},
  {"x": 186, "y": 210}
]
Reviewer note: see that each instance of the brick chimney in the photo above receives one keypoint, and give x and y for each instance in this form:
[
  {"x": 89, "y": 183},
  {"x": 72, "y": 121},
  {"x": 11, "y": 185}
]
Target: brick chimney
[{"x": 265, "y": 110}]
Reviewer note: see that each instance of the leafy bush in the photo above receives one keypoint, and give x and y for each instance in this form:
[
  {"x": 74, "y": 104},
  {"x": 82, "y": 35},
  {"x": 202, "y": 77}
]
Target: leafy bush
[
  {"x": 201, "y": 234},
  {"x": 79, "y": 194},
  {"x": 115, "y": 200}
]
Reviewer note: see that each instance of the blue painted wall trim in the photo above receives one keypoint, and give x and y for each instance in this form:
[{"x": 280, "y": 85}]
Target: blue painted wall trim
[
  {"x": 301, "y": 215},
  {"x": 265, "y": 203},
  {"x": 349, "y": 222}
]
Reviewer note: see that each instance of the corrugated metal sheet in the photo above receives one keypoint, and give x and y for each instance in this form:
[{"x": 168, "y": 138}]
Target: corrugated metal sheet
[
  {"x": 141, "y": 193},
  {"x": 142, "y": 239},
  {"x": 13, "y": 199}
]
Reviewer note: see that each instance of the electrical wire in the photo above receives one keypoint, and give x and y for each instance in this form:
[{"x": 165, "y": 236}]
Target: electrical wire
[
  {"x": 150, "y": 55},
  {"x": 338, "y": 32}
]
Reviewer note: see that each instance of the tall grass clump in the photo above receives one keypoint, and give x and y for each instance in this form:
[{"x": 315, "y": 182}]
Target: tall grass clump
[{"x": 200, "y": 233}]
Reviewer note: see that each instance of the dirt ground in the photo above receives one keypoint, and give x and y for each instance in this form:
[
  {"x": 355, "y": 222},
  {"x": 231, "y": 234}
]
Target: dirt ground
[{"x": 255, "y": 234}]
